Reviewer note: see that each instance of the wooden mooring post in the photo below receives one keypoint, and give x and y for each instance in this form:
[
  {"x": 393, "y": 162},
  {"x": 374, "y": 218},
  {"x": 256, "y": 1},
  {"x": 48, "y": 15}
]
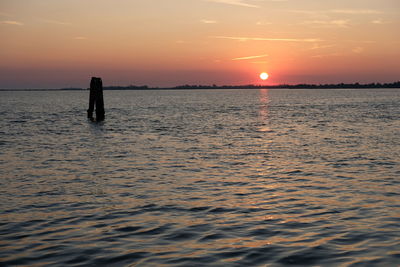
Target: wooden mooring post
[{"x": 96, "y": 98}]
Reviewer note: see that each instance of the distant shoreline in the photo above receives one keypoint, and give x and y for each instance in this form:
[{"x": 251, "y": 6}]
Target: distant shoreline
[{"x": 394, "y": 85}]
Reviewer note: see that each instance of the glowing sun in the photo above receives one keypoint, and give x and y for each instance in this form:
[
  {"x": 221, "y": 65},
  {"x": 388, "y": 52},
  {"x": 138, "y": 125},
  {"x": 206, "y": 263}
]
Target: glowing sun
[{"x": 264, "y": 76}]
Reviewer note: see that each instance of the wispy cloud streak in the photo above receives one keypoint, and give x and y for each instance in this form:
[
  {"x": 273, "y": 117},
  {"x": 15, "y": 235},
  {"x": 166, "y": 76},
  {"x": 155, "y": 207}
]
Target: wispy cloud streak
[
  {"x": 338, "y": 11},
  {"x": 250, "y": 57},
  {"x": 358, "y": 50},
  {"x": 330, "y": 23},
  {"x": 327, "y": 55},
  {"x": 208, "y": 21},
  {"x": 259, "y": 62},
  {"x": 242, "y": 3},
  {"x": 50, "y": 21},
  {"x": 356, "y": 11},
  {"x": 379, "y": 21},
  {"x": 12, "y": 22},
  {"x": 317, "y": 47},
  {"x": 311, "y": 40}
]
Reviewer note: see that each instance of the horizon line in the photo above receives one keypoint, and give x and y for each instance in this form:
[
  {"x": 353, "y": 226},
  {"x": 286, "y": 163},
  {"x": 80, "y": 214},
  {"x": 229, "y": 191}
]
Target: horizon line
[{"x": 354, "y": 85}]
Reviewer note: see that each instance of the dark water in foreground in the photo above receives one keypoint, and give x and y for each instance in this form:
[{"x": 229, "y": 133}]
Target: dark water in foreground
[{"x": 201, "y": 178}]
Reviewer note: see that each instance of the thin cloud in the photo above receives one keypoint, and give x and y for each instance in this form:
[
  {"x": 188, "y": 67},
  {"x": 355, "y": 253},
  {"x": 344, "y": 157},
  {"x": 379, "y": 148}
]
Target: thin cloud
[
  {"x": 358, "y": 50},
  {"x": 339, "y": 23},
  {"x": 356, "y": 11},
  {"x": 250, "y": 57},
  {"x": 267, "y": 39},
  {"x": 50, "y": 21},
  {"x": 327, "y": 55},
  {"x": 329, "y": 23},
  {"x": 12, "y": 22},
  {"x": 337, "y": 11},
  {"x": 305, "y": 12},
  {"x": 208, "y": 21},
  {"x": 259, "y": 62},
  {"x": 242, "y": 3},
  {"x": 360, "y": 41},
  {"x": 264, "y": 23},
  {"x": 379, "y": 21},
  {"x": 318, "y": 47}
]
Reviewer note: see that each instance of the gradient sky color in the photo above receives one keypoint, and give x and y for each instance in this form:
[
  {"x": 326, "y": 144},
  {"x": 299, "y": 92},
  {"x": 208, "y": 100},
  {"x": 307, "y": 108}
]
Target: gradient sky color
[{"x": 53, "y": 44}]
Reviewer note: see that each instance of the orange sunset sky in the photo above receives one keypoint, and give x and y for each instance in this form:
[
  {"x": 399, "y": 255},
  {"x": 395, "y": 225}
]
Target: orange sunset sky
[{"x": 62, "y": 43}]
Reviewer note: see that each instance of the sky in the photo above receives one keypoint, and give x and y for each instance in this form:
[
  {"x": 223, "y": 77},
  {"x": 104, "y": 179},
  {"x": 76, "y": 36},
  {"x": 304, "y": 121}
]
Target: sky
[{"x": 62, "y": 43}]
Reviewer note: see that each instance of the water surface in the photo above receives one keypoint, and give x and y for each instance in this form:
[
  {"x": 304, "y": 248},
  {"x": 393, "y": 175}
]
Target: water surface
[{"x": 201, "y": 178}]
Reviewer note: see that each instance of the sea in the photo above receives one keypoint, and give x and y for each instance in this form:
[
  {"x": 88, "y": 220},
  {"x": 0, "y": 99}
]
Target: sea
[{"x": 256, "y": 177}]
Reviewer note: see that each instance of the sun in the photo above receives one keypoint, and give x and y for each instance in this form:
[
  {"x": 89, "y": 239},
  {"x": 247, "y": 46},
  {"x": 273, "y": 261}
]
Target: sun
[{"x": 264, "y": 76}]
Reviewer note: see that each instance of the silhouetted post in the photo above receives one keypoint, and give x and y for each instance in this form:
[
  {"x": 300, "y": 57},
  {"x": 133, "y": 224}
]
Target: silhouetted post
[{"x": 96, "y": 98}]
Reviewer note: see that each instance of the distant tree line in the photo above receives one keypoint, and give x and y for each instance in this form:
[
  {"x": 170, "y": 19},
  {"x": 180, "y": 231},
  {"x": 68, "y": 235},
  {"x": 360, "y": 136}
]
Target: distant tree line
[
  {"x": 252, "y": 86},
  {"x": 295, "y": 86},
  {"x": 129, "y": 87},
  {"x": 248, "y": 86}
]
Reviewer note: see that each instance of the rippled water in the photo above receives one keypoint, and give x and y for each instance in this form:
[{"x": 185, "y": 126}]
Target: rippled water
[{"x": 201, "y": 178}]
